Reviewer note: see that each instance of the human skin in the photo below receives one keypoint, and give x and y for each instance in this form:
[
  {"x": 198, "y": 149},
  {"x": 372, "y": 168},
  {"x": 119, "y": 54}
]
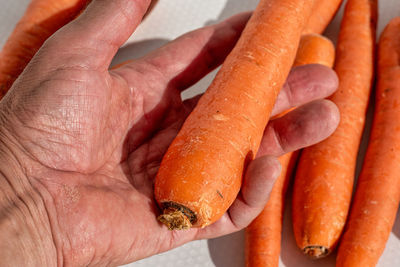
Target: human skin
[{"x": 80, "y": 143}]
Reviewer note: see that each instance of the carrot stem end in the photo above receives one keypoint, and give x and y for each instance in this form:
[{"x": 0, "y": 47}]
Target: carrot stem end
[
  {"x": 176, "y": 216},
  {"x": 316, "y": 252}
]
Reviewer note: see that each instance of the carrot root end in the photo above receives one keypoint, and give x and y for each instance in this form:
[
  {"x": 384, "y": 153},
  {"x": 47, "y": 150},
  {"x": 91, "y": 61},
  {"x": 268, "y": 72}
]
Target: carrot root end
[
  {"x": 316, "y": 252},
  {"x": 176, "y": 216}
]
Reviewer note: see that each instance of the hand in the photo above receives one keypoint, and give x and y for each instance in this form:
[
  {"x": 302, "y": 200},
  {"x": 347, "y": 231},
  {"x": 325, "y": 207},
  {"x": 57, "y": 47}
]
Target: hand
[{"x": 81, "y": 144}]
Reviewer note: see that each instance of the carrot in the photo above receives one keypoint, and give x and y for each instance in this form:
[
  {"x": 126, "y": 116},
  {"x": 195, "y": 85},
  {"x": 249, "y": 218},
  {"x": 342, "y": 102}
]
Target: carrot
[
  {"x": 325, "y": 174},
  {"x": 41, "y": 19},
  {"x": 263, "y": 235},
  {"x": 377, "y": 196},
  {"x": 315, "y": 49},
  {"x": 201, "y": 173},
  {"x": 322, "y": 14}
]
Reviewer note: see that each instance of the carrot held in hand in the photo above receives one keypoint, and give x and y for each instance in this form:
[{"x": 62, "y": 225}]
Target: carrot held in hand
[
  {"x": 377, "y": 195},
  {"x": 322, "y": 14},
  {"x": 263, "y": 235},
  {"x": 201, "y": 173},
  {"x": 41, "y": 19},
  {"x": 325, "y": 175}
]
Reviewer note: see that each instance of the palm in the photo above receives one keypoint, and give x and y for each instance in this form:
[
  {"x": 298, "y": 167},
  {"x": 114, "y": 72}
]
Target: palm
[
  {"x": 94, "y": 138},
  {"x": 106, "y": 194}
]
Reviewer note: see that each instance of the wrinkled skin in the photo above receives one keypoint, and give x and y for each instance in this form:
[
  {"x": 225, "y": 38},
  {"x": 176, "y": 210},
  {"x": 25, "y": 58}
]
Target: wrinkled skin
[{"x": 83, "y": 143}]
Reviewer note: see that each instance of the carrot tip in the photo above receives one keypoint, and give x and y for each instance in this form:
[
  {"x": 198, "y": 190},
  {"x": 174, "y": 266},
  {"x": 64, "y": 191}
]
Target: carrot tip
[
  {"x": 176, "y": 216},
  {"x": 316, "y": 252}
]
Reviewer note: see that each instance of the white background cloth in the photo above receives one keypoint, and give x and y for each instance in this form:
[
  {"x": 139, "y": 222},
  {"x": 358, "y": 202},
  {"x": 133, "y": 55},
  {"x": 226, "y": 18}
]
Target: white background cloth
[{"x": 168, "y": 20}]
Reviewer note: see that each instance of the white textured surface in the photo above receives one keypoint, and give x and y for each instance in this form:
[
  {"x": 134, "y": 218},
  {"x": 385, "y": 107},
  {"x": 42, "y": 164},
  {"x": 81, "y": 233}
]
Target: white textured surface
[{"x": 169, "y": 19}]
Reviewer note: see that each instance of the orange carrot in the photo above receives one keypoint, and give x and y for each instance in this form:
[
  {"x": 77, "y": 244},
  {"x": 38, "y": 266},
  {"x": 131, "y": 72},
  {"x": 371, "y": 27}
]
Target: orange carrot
[
  {"x": 41, "y": 19},
  {"x": 315, "y": 49},
  {"x": 377, "y": 196},
  {"x": 263, "y": 235},
  {"x": 325, "y": 175},
  {"x": 201, "y": 173},
  {"x": 322, "y": 14}
]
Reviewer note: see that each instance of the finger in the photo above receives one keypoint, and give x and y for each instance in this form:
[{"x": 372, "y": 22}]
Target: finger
[
  {"x": 257, "y": 185},
  {"x": 92, "y": 40},
  {"x": 305, "y": 84},
  {"x": 187, "y": 59},
  {"x": 304, "y": 126}
]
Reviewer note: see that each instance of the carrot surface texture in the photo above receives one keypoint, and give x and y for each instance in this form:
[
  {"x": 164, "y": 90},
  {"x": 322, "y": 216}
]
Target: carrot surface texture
[
  {"x": 201, "y": 173},
  {"x": 377, "y": 195},
  {"x": 322, "y": 14},
  {"x": 41, "y": 19},
  {"x": 263, "y": 235},
  {"x": 326, "y": 171}
]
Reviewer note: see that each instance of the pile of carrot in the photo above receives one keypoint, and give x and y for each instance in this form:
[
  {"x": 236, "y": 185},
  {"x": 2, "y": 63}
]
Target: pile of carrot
[{"x": 201, "y": 173}]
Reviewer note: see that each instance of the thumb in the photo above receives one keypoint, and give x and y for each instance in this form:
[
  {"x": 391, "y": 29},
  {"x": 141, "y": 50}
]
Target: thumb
[{"x": 92, "y": 40}]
